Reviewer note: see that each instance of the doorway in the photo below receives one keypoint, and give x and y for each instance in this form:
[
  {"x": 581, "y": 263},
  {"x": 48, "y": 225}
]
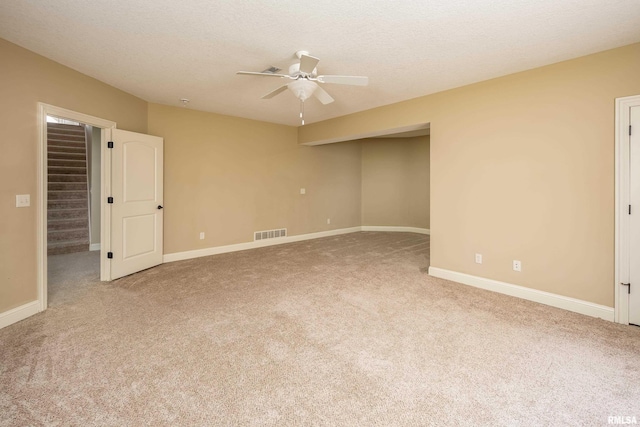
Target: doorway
[
  {"x": 627, "y": 233},
  {"x": 73, "y": 207},
  {"x": 102, "y": 130}
]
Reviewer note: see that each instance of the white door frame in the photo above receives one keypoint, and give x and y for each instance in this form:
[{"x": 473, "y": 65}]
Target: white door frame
[
  {"x": 106, "y": 126},
  {"x": 622, "y": 180}
]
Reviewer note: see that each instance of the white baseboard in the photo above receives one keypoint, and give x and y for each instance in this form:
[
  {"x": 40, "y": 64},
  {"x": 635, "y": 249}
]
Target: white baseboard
[
  {"x": 94, "y": 247},
  {"x": 395, "y": 229},
  {"x": 542, "y": 297},
  {"x": 19, "y": 313},
  {"x": 179, "y": 256}
]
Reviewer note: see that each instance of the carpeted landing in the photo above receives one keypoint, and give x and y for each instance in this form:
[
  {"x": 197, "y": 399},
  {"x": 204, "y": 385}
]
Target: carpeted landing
[{"x": 343, "y": 330}]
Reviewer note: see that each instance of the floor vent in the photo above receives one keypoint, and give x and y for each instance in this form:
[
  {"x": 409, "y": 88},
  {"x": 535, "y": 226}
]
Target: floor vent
[{"x": 269, "y": 234}]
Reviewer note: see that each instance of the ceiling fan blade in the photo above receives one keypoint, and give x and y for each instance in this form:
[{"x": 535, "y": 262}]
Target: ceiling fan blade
[
  {"x": 253, "y": 73},
  {"x": 345, "y": 80},
  {"x": 323, "y": 96},
  {"x": 308, "y": 63},
  {"x": 275, "y": 92}
]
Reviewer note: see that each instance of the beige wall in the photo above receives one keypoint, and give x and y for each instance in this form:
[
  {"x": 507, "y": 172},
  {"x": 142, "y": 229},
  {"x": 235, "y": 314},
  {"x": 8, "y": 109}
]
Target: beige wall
[
  {"x": 395, "y": 182},
  {"x": 25, "y": 80},
  {"x": 229, "y": 177},
  {"x": 522, "y": 167}
]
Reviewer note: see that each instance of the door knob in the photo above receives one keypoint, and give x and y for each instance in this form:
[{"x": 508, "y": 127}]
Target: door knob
[{"x": 160, "y": 206}]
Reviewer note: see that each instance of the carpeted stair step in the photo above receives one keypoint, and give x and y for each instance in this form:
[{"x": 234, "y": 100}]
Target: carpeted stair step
[
  {"x": 60, "y": 128},
  {"x": 61, "y": 155},
  {"x": 66, "y": 135},
  {"x": 67, "y": 178},
  {"x": 76, "y": 163},
  {"x": 68, "y": 170},
  {"x": 67, "y": 223},
  {"x": 73, "y": 150},
  {"x": 72, "y": 235},
  {"x": 67, "y": 186},
  {"x": 67, "y": 204},
  {"x": 77, "y": 213},
  {"x": 57, "y": 144},
  {"x": 67, "y": 195},
  {"x": 68, "y": 131},
  {"x": 71, "y": 143}
]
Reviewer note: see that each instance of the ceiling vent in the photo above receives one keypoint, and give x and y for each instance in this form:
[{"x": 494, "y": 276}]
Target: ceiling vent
[{"x": 272, "y": 70}]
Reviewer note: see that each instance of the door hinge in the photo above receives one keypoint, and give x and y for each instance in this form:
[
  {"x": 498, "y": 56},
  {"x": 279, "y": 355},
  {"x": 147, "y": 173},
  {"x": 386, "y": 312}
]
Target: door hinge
[
  {"x": 628, "y": 285},
  {"x": 629, "y": 209},
  {"x": 109, "y": 255},
  {"x": 110, "y": 144},
  {"x": 109, "y": 199},
  {"x": 629, "y": 129}
]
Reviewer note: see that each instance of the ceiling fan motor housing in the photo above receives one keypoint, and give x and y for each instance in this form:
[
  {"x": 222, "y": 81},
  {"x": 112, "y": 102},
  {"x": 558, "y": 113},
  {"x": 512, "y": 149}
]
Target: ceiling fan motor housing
[{"x": 294, "y": 71}]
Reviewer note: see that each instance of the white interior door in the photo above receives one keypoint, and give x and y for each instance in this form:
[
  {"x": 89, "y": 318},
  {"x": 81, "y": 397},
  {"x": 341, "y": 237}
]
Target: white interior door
[
  {"x": 136, "y": 211},
  {"x": 634, "y": 218}
]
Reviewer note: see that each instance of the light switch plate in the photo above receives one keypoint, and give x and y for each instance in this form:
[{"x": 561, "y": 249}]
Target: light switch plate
[
  {"x": 303, "y": 191},
  {"x": 23, "y": 200}
]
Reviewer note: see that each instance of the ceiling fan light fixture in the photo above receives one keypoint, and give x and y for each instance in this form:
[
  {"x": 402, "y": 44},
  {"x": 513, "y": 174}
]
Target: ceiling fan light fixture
[{"x": 302, "y": 88}]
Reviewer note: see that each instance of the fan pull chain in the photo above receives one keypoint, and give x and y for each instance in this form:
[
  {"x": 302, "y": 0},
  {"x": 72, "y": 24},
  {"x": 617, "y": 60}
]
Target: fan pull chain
[{"x": 302, "y": 110}]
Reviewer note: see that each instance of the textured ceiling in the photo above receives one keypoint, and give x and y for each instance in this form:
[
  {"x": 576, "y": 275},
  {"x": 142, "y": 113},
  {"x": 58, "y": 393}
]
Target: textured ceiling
[{"x": 165, "y": 50}]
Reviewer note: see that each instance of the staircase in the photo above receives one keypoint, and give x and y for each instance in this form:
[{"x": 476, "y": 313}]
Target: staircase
[{"x": 67, "y": 209}]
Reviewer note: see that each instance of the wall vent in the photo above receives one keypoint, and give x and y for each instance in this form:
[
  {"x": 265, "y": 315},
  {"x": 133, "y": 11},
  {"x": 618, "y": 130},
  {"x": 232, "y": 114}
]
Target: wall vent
[{"x": 269, "y": 234}]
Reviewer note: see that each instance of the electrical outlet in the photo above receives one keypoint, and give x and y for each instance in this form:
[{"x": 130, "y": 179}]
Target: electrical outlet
[
  {"x": 23, "y": 200},
  {"x": 202, "y": 235},
  {"x": 303, "y": 191},
  {"x": 328, "y": 220},
  {"x": 478, "y": 258},
  {"x": 517, "y": 265}
]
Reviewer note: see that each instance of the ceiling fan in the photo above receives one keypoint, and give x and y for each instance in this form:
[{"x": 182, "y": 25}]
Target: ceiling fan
[{"x": 305, "y": 79}]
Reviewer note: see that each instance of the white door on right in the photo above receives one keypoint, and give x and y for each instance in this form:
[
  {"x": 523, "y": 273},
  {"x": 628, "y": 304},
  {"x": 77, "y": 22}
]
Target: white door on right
[
  {"x": 136, "y": 212},
  {"x": 634, "y": 217}
]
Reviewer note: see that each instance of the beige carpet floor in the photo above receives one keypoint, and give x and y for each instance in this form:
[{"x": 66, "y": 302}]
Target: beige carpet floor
[{"x": 338, "y": 331}]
